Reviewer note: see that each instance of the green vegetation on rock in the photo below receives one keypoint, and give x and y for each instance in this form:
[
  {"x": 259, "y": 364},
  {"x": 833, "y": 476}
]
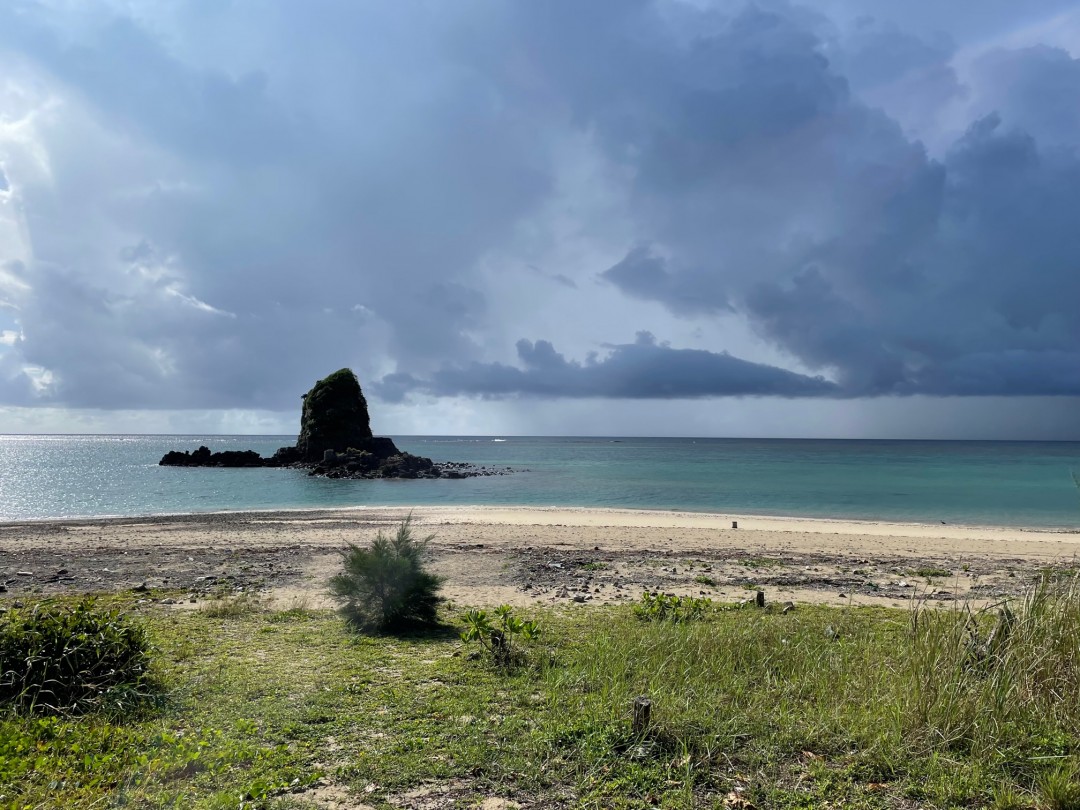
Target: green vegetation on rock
[{"x": 334, "y": 417}]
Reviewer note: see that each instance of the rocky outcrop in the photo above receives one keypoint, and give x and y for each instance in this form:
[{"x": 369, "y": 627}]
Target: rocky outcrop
[
  {"x": 204, "y": 458},
  {"x": 363, "y": 464},
  {"x": 335, "y": 441},
  {"x": 335, "y": 417}
]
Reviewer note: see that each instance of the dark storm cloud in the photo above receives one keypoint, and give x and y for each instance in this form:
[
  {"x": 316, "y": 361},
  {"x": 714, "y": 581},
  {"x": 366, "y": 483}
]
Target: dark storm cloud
[
  {"x": 1036, "y": 89},
  {"x": 639, "y": 370},
  {"x": 331, "y": 205},
  {"x": 910, "y": 77},
  {"x": 558, "y": 278},
  {"x": 643, "y": 274},
  {"x": 928, "y": 18},
  {"x": 216, "y": 199},
  {"x": 965, "y": 288},
  {"x": 840, "y": 238}
]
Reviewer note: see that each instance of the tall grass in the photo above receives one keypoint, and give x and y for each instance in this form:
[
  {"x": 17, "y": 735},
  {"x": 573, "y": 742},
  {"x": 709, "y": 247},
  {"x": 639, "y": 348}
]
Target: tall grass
[
  {"x": 1005, "y": 690},
  {"x": 960, "y": 698}
]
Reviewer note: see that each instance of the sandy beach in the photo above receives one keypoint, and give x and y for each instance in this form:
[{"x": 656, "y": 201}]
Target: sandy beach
[{"x": 523, "y": 556}]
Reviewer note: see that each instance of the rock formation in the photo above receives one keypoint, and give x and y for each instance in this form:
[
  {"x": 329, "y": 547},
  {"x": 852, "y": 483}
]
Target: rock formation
[
  {"x": 204, "y": 458},
  {"x": 335, "y": 430},
  {"x": 335, "y": 440}
]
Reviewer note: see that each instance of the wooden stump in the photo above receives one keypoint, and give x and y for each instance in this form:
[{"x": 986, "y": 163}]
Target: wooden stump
[
  {"x": 642, "y": 715},
  {"x": 759, "y": 599}
]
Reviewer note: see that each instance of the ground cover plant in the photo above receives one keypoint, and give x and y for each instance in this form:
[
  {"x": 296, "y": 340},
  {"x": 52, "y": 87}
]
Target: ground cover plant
[
  {"x": 500, "y": 635},
  {"x": 929, "y": 571},
  {"x": 73, "y": 658},
  {"x": 750, "y": 708},
  {"x": 664, "y": 607}
]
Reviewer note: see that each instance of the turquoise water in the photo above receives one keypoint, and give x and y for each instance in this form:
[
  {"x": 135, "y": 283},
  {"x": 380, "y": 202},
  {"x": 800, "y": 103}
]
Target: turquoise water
[{"x": 992, "y": 483}]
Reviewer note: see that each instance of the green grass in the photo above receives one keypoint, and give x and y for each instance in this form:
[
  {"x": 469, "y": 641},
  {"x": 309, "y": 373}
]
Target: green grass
[
  {"x": 230, "y": 607},
  {"x": 929, "y": 572},
  {"x": 705, "y": 579},
  {"x": 760, "y": 562},
  {"x": 894, "y": 709}
]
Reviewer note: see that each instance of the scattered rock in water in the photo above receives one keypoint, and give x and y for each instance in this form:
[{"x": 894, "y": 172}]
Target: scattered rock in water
[{"x": 204, "y": 458}]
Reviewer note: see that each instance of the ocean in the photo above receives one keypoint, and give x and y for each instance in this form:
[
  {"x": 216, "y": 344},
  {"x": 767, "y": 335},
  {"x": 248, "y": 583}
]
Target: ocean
[{"x": 981, "y": 483}]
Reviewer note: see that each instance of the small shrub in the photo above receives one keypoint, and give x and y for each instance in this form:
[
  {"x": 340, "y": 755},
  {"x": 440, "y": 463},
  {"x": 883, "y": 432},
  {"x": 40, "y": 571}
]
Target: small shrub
[
  {"x": 660, "y": 607},
  {"x": 496, "y": 634},
  {"x": 385, "y": 587},
  {"x": 73, "y": 660},
  {"x": 705, "y": 579}
]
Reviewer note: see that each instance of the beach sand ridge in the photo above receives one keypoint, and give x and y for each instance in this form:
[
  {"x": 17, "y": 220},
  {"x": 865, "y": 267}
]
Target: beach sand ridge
[{"x": 527, "y": 555}]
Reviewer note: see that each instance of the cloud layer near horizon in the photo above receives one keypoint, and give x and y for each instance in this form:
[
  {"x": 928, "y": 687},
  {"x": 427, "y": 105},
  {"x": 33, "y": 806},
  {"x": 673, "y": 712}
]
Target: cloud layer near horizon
[
  {"x": 639, "y": 370},
  {"x": 211, "y": 205}
]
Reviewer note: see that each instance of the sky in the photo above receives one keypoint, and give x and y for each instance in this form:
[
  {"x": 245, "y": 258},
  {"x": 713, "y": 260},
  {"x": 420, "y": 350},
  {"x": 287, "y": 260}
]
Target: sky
[{"x": 834, "y": 218}]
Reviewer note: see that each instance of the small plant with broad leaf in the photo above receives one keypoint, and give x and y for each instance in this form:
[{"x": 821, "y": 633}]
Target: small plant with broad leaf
[
  {"x": 662, "y": 607},
  {"x": 385, "y": 586},
  {"x": 500, "y": 634}
]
